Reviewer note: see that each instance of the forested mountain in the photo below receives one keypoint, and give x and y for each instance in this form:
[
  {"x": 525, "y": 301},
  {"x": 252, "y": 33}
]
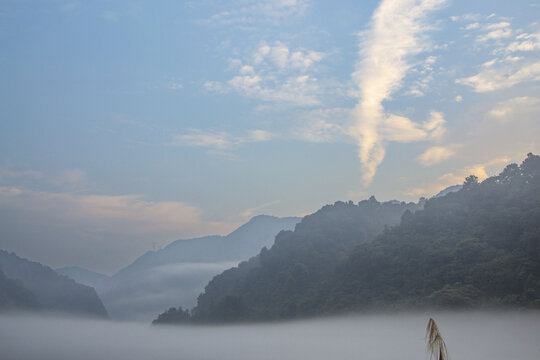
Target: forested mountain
[
  {"x": 176, "y": 274},
  {"x": 13, "y": 296},
  {"x": 479, "y": 246},
  {"x": 286, "y": 278},
  {"x": 26, "y": 284}
]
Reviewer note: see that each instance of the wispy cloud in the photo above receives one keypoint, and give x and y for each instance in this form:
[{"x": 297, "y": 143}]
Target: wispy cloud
[
  {"x": 495, "y": 31},
  {"x": 7, "y": 173},
  {"x": 516, "y": 109},
  {"x": 397, "y": 33},
  {"x": 503, "y": 76},
  {"x": 274, "y": 73},
  {"x": 436, "y": 154},
  {"x": 457, "y": 177},
  {"x": 324, "y": 126},
  {"x": 266, "y": 11},
  {"x": 252, "y": 211},
  {"x": 512, "y": 62},
  {"x": 219, "y": 140},
  {"x": 525, "y": 42},
  {"x": 125, "y": 213},
  {"x": 402, "y": 129}
]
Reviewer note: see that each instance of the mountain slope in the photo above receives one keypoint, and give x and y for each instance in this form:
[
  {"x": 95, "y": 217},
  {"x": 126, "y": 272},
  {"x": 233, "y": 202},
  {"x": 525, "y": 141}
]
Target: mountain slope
[
  {"x": 52, "y": 291},
  {"x": 85, "y": 276},
  {"x": 284, "y": 280},
  {"x": 13, "y": 296},
  {"x": 477, "y": 246}
]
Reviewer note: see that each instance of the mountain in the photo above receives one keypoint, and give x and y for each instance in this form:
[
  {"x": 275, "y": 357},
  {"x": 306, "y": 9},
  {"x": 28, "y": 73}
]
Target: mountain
[
  {"x": 449, "y": 190},
  {"x": 242, "y": 243},
  {"x": 28, "y": 284},
  {"x": 85, "y": 276},
  {"x": 475, "y": 247},
  {"x": 13, "y": 295},
  {"x": 270, "y": 285},
  {"x": 479, "y": 246},
  {"x": 178, "y": 273}
]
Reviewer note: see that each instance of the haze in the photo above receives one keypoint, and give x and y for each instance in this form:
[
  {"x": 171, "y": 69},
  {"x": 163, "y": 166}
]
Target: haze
[{"x": 474, "y": 336}]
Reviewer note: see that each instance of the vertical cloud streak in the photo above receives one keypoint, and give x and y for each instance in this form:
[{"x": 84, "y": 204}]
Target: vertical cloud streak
[{"x": 395, "y": 34}]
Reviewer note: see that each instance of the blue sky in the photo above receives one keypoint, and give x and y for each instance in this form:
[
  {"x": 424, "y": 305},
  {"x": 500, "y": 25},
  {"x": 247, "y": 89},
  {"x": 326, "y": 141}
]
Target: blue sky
[{"x": 129, "y": 124}]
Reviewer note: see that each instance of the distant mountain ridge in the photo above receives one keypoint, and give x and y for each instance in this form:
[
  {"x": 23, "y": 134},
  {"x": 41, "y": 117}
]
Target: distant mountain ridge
[
  {"x": 177, "y": 273},
  {"x": 243, "y": 242},
  {"x": 39, "y": 287},
  {"x": 85, "y": 276}
]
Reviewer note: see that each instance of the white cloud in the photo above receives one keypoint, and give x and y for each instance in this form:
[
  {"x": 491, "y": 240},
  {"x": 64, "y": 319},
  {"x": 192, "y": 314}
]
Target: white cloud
[
  {"x": 495, "y": 35},
  {"x": 501, "y": 77},
  {"x": 265, "y": 11},
  {"x": 525, "y": 42},
  {"x": 219, "y": 140},
  {"x": 103, "y": 213},
  {"x": 274, "y": 73},
  {"x": 216, "y": 86},
  {"x": 516, "y": 109},
  {"x": 175, "y": 86},
  {"x": 6, "y": 174},
  {"x": 459, "y": 98},
  {"x": 506, "y": 69},
  {"x": 472, "y": 26},
  {"x": 421, "y": 85},
  {"x": 466, "y": 17},
  {"x": 402, "y": 129},
  {"x": 300, "y": 90},
  {"x": 324, "y": 126},
  {"x": 395, "y": 35},
  {"x": 259, "y": 136},
  {"x": 435, "y": 125},
  {"x": 248, "y": 213},
  {"x": 481, "y": 170},
  {"x": 435, "y": 155},
  {"x": 282, "y": 57}
]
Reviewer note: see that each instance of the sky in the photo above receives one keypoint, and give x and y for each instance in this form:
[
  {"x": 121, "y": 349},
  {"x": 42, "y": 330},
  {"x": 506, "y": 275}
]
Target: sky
[{"x": 125, "y": 125}]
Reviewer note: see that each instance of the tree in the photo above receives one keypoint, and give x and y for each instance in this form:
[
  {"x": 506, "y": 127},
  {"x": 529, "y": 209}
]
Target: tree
[{"x": 470, "y": 181}]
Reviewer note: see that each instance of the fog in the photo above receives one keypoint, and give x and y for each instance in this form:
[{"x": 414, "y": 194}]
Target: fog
[
  {"x": 144, "y": 295},
  {"x": 471, "y": 336}
]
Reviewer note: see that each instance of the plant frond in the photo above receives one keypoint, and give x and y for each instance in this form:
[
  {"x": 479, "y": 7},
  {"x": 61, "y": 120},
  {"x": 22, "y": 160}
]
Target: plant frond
[{"x": 435, "y": 343}]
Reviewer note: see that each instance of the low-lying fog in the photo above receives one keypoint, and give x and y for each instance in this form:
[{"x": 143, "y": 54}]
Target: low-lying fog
[{"x": 470, "y": 336}]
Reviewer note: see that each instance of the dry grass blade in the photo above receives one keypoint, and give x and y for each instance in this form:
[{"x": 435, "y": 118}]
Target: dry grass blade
[{"x": 435, "y": 343}]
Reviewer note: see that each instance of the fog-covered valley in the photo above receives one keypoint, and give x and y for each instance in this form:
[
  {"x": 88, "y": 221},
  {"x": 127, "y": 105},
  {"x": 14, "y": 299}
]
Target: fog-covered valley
[{"x": 471, "y": 336}]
